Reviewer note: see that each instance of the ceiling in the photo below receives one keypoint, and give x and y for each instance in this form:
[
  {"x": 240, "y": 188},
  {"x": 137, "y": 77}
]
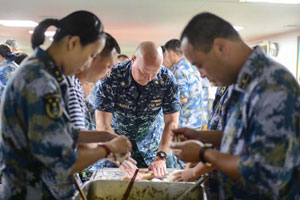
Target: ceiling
[{"x": 133, "y": 21}]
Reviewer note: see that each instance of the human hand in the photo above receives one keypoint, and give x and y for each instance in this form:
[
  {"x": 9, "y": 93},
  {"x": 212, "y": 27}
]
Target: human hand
[
  {"x": 187, "y": 175},
  {"x": 159, "y": 168},
  {"x": 187, "y": 151},
  {"x": 120, "y": 145},
  {"x": 182, "y": 134},
  {"x": 128, "y": 167}
]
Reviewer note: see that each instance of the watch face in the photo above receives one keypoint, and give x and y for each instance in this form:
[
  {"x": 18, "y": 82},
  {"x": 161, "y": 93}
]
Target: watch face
[{"x": 162, "y": 154}]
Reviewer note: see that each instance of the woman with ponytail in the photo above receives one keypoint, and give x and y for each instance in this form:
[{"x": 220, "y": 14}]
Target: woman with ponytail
[
  {"x": 7, "y": 65},
  {"x": 38, "y": 143}
]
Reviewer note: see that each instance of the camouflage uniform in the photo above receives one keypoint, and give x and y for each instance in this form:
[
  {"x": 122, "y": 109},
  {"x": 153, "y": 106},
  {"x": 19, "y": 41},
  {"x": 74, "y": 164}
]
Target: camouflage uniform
[
  {"x": 135, "y": 115},
  {"x": 263, "y": 128},
  {"x": 90, "y": 122},
  {"x": 204, "y": 105},
  {"x": 190, "y": 88},
  {"x": 6, "y": 70},
  {"x": 215, "y": 120},
  {"x": 37, "y": 141},
  {"x": 216, "y": 123}
]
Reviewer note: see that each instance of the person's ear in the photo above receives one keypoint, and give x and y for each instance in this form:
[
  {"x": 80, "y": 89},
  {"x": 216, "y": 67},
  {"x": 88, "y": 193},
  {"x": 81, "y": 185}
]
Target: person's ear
[
  {"x": 133, "y": 58},
  {"x": 97, "y": 58},
  {"x": 171, "y": 53},
  {"x": 220, "y": 47},
  {"x": 73, "y": 42}
]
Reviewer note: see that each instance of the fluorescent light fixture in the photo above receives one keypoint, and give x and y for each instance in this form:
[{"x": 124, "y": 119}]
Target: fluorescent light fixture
[
  {"x": 18, "y": 23},
  {"x": 47, "y": 33},
  {"x": 238, "y": 28},
  {"x": 274, "y": 1}
]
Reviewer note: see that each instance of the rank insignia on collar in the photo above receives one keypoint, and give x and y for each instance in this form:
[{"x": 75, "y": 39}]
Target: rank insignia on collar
[
  {"x": 222, "y": 90},
  {"x": 123, "y": 83},
  {"x": 156, "y": 82},
  {"x": 53, "y": 107},
  {"x": 245, "y": 80},
  {"x": 58, "y": 75}
]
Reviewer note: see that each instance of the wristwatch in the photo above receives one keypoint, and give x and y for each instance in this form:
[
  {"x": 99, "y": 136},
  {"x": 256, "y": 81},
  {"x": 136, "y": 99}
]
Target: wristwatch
[
  {"x": 162, "y": 154},
  {"x": 201, "y": 154}
]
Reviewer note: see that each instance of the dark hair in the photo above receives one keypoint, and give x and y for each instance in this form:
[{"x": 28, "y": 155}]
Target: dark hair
[
  {"x": 174, "y": 45},
  {"x": 163, "y": 49},
  {"x": 20, "y": 56},
  {"x": 204, "y": 28},
  {"x": 6, "y": 52},
  {"x": 84, "y": 24},
  {"x": 110, "y": 44},
  {"x": 123, "y": 55}
]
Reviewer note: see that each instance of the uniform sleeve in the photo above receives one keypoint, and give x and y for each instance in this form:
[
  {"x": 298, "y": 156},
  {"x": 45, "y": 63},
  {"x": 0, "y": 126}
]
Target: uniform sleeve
[
  {"x": 273, "y": 147},
  {"x": 103, "y": 95},
  {"x": 181, "y": 78},
  {"x": 50, "y": 136},
  {"x": 171, "y": 102}
]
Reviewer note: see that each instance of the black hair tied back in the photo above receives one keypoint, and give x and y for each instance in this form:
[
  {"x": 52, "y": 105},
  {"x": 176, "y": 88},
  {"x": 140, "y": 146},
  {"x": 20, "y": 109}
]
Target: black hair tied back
[
  {"x": 38, "y": 36},
  {"x": 83, "y": 24}
]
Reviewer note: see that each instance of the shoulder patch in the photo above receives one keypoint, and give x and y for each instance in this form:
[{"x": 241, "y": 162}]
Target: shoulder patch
[{"x": 53, "y": 107}]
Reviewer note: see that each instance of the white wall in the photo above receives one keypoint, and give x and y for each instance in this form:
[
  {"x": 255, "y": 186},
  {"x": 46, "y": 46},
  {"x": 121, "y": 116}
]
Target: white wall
[{"x": 287, "y": 48}]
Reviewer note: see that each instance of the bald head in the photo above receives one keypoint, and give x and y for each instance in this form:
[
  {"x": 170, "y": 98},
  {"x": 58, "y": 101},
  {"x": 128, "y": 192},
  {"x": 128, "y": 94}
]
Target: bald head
[
  {"x": 146, "y": 62},
  {"x": 149, "y": 52}
]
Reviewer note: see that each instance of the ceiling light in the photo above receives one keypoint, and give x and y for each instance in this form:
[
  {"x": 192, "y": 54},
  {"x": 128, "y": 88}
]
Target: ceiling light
[
  {"x": 238, "y": 28},
  {"x": 274, "y": 1},
  {"x": 47, "y": 33},
  {"x": 18, "y": 23}
]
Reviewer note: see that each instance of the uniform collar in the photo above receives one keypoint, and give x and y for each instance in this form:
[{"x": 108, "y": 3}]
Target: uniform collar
[
  {"x": 221, "y": 90},
  {"x": 50, "y": 64},
  {"x": 181, "y": 61},
  {"x": 250, "y": 69}
]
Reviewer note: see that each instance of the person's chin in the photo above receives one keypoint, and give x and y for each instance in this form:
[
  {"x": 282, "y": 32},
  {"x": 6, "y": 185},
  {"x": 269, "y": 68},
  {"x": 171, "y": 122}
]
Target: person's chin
[{"x": 143, "y": 83}]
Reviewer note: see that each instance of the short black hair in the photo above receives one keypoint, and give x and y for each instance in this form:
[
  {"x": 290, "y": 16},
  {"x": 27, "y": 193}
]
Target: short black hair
[
  {"x": 123, "y": 56},
  {"x": 163, "y": 48},
  {"x": 174, "y": 45},
  {"x": 110, "y": 44},
  {"x": 20, "y": 56},
  {"x": 204, "y": 28},
  {"x": 5, "y": 50},
  {"x": 83, "y": 24}
]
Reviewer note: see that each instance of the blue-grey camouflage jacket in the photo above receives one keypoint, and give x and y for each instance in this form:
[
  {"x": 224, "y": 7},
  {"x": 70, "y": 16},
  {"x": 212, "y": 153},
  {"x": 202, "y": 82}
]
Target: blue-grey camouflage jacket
[
  {"x": 134, "y": 115},
  {"x": 37, "y": 141},
  {"x": 215, "y": 120},
  {"x": 263, "y": 128}
]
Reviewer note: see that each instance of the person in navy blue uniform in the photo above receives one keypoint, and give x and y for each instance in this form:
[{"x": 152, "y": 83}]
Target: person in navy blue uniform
[{"x": 129, "y": 101}]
